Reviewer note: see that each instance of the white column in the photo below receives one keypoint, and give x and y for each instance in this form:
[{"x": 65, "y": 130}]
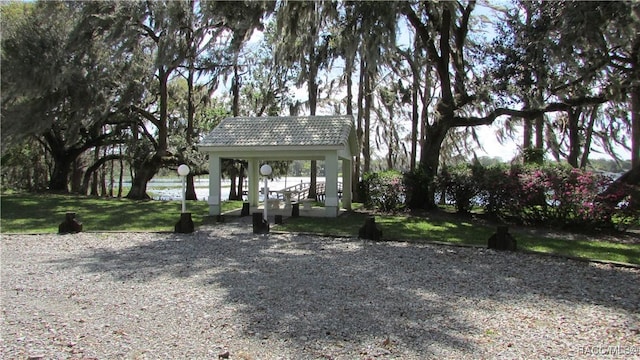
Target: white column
[
  {"x": 347, "y": 172},
  {"x": 214, "y": 184},
  {"x": 254, "y": 182},
  {"x": 331, "y": 186}
]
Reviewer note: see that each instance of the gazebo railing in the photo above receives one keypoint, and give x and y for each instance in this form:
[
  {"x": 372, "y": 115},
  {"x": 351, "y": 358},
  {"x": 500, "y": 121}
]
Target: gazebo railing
[{"x": 301, "y": 191}]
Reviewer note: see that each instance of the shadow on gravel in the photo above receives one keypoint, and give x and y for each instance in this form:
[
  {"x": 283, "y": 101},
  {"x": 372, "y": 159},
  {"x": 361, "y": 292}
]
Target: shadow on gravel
[{"x": 306, "y": 289}]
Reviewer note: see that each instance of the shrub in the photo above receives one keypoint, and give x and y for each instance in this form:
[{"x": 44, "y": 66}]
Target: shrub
[
  {"x": 417, "y": 184},
  {"x": 533, "y": 156},
  {"x": 567, "y": 197},
  {"x": 461, "y": 184},
  {"x": 384, "y": 191},
  {"x": 555, "y": 195},
  {"x": 497, "y": 188}
]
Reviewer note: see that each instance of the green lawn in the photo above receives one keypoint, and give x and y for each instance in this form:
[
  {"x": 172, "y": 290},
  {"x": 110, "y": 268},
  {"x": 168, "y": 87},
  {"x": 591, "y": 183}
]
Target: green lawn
[
  {"x": 42, "y": 213},
  {"x": 453, "y": 230}
]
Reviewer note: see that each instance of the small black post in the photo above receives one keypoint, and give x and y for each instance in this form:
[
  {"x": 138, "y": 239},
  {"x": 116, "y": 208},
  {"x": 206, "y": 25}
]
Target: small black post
[
  {"x": 185, "y": 224},
  {"x": 502, "y": 240},
  {"x": 295, "y": 209},
  {"x": 245, "y": 209},
  {"x": 260, "y": 226},
  {"x": 70, "y": 224},
  {"x": 369, "y": 230}
]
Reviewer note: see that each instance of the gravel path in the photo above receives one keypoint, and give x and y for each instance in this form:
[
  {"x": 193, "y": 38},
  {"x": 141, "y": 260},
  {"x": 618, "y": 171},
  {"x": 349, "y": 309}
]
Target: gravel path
[{"x": 223, "y": 292}]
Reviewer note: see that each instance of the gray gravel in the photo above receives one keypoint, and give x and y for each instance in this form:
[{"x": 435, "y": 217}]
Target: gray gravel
[{"x": 223, "y": 292}]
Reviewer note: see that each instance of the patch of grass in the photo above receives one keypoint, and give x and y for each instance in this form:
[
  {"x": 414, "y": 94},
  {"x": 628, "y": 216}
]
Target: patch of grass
[
  {"x": 42, "y": 213},
  {"x": 456, "y": 230},
  {"x": 598, "y": 250}
]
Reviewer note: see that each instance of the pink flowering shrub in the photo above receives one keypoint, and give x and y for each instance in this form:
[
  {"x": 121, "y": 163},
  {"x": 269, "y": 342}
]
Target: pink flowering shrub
[
  {"x": 384, "y": 191},
  {"x": 556, "y": 195},
  {"x": 577, "y": 198}
]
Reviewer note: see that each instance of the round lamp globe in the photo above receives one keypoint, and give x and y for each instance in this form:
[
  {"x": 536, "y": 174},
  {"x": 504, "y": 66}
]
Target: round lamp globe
[{"x": 183, "y": 170}]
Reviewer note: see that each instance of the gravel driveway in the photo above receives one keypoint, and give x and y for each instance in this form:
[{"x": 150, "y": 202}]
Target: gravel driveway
[{"x": 223, "y": 292}]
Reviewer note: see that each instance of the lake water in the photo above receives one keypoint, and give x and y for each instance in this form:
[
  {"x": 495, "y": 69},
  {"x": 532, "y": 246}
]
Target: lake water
[{"x": 169, "y": 189}]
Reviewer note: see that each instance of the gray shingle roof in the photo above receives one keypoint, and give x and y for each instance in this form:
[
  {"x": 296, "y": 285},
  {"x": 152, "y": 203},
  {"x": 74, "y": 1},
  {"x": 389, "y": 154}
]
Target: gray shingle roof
[{"x": 286, "y": 131}]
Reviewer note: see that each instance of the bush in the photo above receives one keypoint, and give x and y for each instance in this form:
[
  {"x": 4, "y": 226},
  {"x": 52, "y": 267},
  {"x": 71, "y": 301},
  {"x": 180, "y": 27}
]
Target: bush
[
  {"x": 461, "y": 184},
  {"x": 384, "y": 191},
  {"x": 570, "y": 197},
  {"x": 555, "y": 195},
  {"x": 417, "y": 183},
  {"x": 533, "y": 156},
  {"x": 497, "y": 187}
]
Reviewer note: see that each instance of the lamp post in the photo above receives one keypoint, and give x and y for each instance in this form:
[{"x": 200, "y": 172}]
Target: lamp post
[
  {"x": 183, "y": 171},
  {"x": 185, "y": 224},
  {"x": 265, "y": 170}
]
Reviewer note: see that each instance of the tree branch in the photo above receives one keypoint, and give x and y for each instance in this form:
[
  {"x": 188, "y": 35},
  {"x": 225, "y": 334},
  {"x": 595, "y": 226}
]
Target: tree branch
[
  {"x": 146, "y": 114},
  {"x": 565, "y": 105}
]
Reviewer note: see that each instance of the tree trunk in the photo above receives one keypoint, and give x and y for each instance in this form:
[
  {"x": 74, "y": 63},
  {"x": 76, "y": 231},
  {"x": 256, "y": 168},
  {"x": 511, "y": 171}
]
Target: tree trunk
[
  {"x": 121, "y": 175},
  {"x": 635, "y": 93},
  {"x": 58, "y": 182},
  {"x": 359, "y": 135},
  {"x": 190, "y": 190},
  {"x": 233, "y": 173},
  {"x": 313, "y": 99},
  {"x": 574, "y": 136},
  {"x": 149, "y": 167},
  {"x": 366, "y": 146},
  {"x": 111, "y": 178},
  {"x": 163, "y": 131},
  {"x": 540, "y": 132},
  {"x": 142, "y": 176},
  {"x": 635, "y": 125},
  {"x": 429, "y": 163},
  {"x": 414, "y": 119},
  {"x": 93, "y": 169},
  {"x": 240, "y": 182},
  {"x": 190, "y": 193},
  {"x": 355, "y": 170},
  {"x": 527, "y": 129},
  {"x": 588, "y": 136}
]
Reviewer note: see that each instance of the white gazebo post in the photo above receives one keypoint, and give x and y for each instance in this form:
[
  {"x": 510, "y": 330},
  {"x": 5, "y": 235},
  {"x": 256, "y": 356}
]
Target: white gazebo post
[{"x": 265, "y": 170}]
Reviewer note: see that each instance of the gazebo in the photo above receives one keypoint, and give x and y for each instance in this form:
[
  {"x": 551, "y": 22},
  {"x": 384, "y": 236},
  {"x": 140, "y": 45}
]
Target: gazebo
[{"x": 262, "y": 139}]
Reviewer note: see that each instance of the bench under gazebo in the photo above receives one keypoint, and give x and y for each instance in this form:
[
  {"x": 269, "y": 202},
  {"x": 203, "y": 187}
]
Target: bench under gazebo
[{"x": 261, "y": 139}]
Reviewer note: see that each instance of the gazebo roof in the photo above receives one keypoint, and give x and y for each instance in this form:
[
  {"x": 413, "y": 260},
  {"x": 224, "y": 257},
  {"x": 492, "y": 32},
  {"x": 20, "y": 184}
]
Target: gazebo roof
[{"x": 282, "y": 133}]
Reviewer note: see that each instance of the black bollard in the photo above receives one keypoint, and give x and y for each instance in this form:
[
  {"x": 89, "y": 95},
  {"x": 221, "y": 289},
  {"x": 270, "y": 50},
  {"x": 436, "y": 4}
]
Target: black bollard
[
  {"x": 260, "y": 226},
  {"x": 295, "y": 209},
  {"x": 369, "y": 230},
  {"x": 502, "y": 240},
  {"x": 70, "y": 224},
  {"x": 245, "y": 209},
  {"x": 185, "y": 224}
]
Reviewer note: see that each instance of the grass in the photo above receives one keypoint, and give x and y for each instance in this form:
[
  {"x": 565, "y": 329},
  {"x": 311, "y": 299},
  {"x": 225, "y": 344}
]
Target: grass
[
  {"x": 42, "y": 213},
  {"x": 454, "y": 230}
]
